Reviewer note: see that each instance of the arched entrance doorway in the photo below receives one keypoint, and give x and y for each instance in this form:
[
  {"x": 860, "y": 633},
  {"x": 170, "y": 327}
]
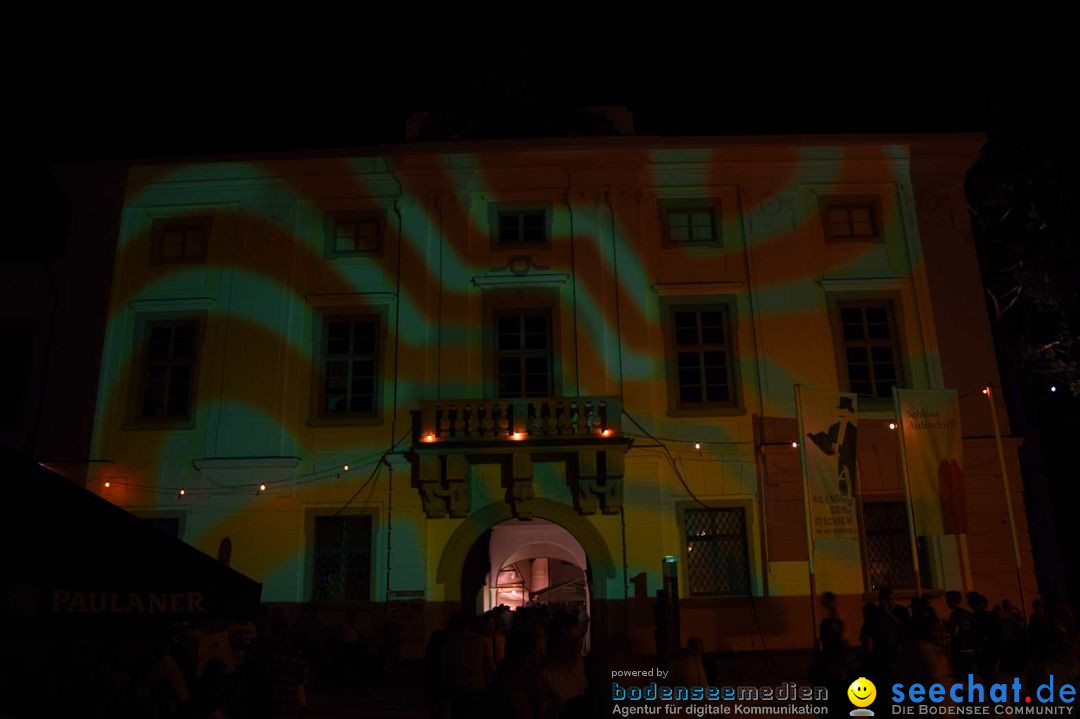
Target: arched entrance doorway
[
  {"x": 529, "y": 562},
  {"x": 466, "y": 560}
]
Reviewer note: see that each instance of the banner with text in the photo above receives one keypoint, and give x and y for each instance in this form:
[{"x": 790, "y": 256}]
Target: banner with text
[
  {"x": 931, "y": 441},
  {"x": 828, "y": 420}
]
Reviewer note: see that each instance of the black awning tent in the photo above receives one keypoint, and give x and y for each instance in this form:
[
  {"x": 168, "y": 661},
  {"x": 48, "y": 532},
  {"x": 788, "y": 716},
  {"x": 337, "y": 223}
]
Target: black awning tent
[{"x": 74, "y": 563}]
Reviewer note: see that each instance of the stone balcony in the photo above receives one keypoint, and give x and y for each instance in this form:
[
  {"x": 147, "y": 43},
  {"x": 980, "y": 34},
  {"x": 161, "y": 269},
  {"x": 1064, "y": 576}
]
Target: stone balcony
[{"x": 584, "y": 432}]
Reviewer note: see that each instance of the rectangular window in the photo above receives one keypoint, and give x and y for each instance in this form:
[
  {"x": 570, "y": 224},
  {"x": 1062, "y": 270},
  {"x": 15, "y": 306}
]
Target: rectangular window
[
  {"x": 349, "y": 366},
  {"x": 169, "y": 353},
  {"x": 342, "y": 558},
  {"x": 180, "y": 240},
  {"x": 717, "y": 556},
  {"x": 851, "y": 219},
  {"x": 520, "y": 228},
  {"x": 354, "y": 233},
  {"x": 687, "y": 226},
  {"x": 523, "y": 353},
  {"x": 690, "y": 222},
  {"x": 887, "y": 546},
  {"x": 869, "y": 348},
  {"x": 701, "y": 348}
]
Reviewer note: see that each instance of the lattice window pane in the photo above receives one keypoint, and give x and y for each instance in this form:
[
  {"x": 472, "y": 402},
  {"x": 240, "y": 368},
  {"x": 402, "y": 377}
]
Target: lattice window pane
[
  {"x": 703, "y": 375},
  {"x": 887, "y": 550},
  {"x": 342, "y": 559},
  {"x": 169, "y": 353},
  {"x": 856, "y": 221},
  {"x": 691, "y": 225},
  {"x": 180, "y": 240},
  {"x": 717, "y": 560},
  {"x": 350, "y": 368},
  {"x": 523, "y": 354},
  {"x": 522, "y": 227},
  {"x": 870, "y": 349}
]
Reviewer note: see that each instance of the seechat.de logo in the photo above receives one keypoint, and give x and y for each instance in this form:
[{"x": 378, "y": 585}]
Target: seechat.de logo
[{"x": 976, "y": 698}]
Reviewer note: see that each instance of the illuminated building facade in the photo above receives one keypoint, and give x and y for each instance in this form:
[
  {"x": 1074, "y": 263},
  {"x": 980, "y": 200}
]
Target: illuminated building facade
[{"x": 592, "y": 341}]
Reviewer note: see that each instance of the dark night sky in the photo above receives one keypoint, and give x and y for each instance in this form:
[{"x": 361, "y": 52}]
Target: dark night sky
[{"x": 101, "y": 110}]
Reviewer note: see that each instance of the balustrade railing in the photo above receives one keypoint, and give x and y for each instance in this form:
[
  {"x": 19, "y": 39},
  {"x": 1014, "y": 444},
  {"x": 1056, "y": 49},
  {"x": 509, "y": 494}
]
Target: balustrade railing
[{"x": 518, "y": 419}]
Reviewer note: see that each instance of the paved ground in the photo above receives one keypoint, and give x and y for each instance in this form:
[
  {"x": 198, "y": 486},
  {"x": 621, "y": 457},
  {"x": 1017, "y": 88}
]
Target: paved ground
[
  {"x": 396, "y": 697},
  {"x": 401, "y": 696},
  {"x": 385, "y": 702}
]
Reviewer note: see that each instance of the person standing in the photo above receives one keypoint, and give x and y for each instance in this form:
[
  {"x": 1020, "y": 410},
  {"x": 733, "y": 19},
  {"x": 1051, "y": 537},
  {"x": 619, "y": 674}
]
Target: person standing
[
  {"x": 961, "y": 629},
  {"x": 288, "y": 674}
]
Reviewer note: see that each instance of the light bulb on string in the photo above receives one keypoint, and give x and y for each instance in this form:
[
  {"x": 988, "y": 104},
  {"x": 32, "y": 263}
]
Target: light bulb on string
[
  {"x": 697, "y": 446},
  {"x": 346, "y": 468},
  {"x": 262, "y": 488},
  {"x": 892, "y": 425},
  {"x": 181, "y": 493},
  {"x": 1053, "y": 388},
  {"x": 794, "y": 444}
]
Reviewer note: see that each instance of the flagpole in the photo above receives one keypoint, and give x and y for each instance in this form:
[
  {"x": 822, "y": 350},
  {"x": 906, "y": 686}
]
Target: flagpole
[
  {"x": 806, "y": 507},
  {"x": 1008, "y": 498},
  {"x": 907, "y": 493}
]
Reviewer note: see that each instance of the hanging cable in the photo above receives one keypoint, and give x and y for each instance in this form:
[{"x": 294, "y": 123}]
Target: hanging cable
[
  {"x": 374, "y": 474},
  {"x": 249, "y": 487},
  {"x": 750, "y": 596}
]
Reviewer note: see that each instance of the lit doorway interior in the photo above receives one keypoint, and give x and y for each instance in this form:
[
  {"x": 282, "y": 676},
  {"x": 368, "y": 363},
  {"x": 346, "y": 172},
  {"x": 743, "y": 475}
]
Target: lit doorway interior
[{"x": 535, "y": 561}]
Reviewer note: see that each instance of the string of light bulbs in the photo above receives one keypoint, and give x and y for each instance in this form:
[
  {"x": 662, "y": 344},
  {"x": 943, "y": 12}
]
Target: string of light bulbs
[
  {"x": 699, "y": 444},
  {"x": 262, "y": 487}
]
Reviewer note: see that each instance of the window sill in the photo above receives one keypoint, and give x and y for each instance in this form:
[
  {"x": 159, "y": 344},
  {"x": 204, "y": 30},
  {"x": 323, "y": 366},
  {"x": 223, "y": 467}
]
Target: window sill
[
  {"x": 354, "y": 256},
  {"x": 517, "y": 246},
  {"x": 140, "y": 426},
  {"x": 699, "y": 245},
  {"x": 876, "y": 240},
  {"x": 708, "y": 412},
  {"x": 876, "y": 406},
  {"x": 345, "y": 421}
]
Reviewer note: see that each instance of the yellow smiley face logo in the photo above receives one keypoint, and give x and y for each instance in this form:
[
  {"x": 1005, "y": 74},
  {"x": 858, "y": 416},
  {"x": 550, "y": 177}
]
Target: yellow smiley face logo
[{"x": 862, "y": 692}]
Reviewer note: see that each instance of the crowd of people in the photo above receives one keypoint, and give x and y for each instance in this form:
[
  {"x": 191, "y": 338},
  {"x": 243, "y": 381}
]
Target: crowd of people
[
  {"x": 527, "y": 663},
  {"x": 913, "y": 644},
  {"x": 267, "y": 669},
  {"x": 534, "y": 663}
]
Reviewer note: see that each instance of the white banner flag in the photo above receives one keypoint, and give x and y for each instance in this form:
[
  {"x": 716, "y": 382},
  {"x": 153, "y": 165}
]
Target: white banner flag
[
  {"x": 828, "y": 421},
  {"x": 931, "y": 441}
]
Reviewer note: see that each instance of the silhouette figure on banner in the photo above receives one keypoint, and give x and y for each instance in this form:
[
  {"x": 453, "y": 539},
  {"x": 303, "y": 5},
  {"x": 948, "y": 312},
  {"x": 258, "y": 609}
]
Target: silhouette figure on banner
[{"x": 839, "y": 440}]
